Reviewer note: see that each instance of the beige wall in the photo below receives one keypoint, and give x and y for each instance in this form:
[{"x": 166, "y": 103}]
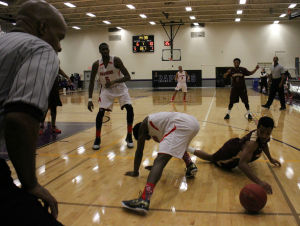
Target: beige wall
[{"x": 251, "y": 42}]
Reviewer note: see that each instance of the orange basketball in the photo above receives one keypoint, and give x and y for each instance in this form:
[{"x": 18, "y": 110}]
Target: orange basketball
[{"x": 253, "y": 197}]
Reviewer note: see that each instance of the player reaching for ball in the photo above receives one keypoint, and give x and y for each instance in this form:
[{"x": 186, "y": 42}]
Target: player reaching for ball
[
  {"x": 174, "y": 131},
  {"x": 240, "y": 152},
  {"x": 112, "y": 77}
]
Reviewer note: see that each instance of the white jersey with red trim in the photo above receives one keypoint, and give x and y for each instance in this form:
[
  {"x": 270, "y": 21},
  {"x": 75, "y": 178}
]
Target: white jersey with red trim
[
  {"x": 161, "y": 124},
  {"x": 181, "y": 76},
  {"x": 109, "y": 73}
]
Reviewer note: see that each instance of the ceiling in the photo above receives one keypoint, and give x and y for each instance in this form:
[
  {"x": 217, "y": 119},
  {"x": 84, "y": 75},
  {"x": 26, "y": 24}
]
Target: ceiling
[{"x": 205, "y": 11}]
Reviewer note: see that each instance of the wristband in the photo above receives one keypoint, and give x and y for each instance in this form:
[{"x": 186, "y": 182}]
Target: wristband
[{"x": 90, "y": 99}]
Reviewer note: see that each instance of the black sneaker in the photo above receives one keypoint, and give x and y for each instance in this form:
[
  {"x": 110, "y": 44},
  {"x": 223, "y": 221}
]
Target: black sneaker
[
  {"x": 227, "y": 116},
  {"x": 282, "y": 108},
  {"x": 191, "y": 170},
  {"x": 97, "y": 143},
  {"x": 139, "y": 205},
  {"x": 266, "y": 106},
  {"x": 249, "y": 117},
  {"x": 129, "y": 140}
]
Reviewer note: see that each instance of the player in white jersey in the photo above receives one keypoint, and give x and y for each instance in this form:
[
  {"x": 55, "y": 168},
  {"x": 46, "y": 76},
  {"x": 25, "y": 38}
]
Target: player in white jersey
[
  {"x": 112, "y": 77},
  {"x": 173, "y": 131},
  {"x": 181, "y": 78}
]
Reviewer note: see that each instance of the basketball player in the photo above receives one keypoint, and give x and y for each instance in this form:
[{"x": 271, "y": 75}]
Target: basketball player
[
  {"x": 173, "y": 131},
  {"x": 112, "y": 77},
  {"x": 263, "y": 80},
  {"x": 240, "y": 152},
  {"x": 238, "y": 86},
  {"x": 181, "y": 78},
  {"x": 28, "y": 68}
]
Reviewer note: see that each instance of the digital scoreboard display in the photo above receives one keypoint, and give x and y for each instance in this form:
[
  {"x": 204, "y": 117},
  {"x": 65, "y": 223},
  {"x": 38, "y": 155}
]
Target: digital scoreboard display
[{"x": 143, "y": 43}]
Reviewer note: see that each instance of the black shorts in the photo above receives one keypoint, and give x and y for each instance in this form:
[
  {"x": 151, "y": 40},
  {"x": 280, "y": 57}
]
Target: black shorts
[
  {"x": 226, "y": 156},
  {"x": 236, "y": 93},
  {"x": 54, "y": 99}
]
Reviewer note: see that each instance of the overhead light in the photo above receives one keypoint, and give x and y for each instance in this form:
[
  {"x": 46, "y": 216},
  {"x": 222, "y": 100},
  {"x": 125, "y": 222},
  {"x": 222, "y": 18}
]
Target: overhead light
[
  {"x": 91, "y": 15},
  {"x": 14, "y": 24},
  {"x": 75, "y": 27},
  {"x": 130, "y": 6},
  {"x": 188, "y": 8},
  {"x": 282, "y": 15},
  {"x": 143, "y": 16},
  {"x": 239, "y": 12},
  {"x": 242, "y": 2},
  {"x": 70, "y": 4},
  {"x": 152, "y": 22},
  {"x": 276, "y": 22},
  {"x": 119, "y": 28},
  {"x": 196, "y": 24},
  {"x": 192, "y": 17},
  {"x": 237, "y": 19},
  {"x": 106, "y": 22},
  {"x": 292, "y": 5},
  {"x": 3, "y": 3}
]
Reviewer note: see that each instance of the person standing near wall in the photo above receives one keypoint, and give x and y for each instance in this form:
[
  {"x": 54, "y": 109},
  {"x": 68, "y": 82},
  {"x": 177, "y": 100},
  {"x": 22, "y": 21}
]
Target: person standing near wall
[
  {"x": 181, "y": 77},
  {"x": 263, "y": 80},
  {"x": 277, "y": 80},
  {"x": 238, "y": 86}
]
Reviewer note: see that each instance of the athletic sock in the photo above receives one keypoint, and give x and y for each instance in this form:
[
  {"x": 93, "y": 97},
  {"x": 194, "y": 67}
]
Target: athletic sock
[
  {"x": 187, "y": 159},
  {"x": 98, "y": 133},
  {"x": 148, "y": 191}
]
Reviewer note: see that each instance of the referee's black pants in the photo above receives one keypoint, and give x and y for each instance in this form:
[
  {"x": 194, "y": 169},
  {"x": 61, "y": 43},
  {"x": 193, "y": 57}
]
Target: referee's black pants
[{"x": 273, "y": 90}]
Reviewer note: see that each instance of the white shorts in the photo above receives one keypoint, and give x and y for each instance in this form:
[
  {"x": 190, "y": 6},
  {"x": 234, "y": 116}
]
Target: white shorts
[
  {"x": 181, "y": 85},
  {"x": 108, "y": 95},
  {"x": 177, "y": 140}
]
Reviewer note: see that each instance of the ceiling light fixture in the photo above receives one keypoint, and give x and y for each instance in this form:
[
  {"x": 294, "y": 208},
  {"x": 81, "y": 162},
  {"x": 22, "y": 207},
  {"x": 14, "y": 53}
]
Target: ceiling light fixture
[
  {"x": 130, "y": 6},
  {"x": 152, "y": 22},
  {"x": 192, "y": 17},
  {"x": 292, "y": 5},
  {"x": 70, "y": 4},
  {"x": 3, "y": 3},
  {"x": 237, "y": 19},
  {"x": 188, "y": 8},
  {"x": 91, "y": 15},
  {"x": 239, "y": 12},
  {"x": 242, "y": 2},
  {"x": 282, "y": 15},
  {"x": 106, "y": 22},
  {"x": 143, "y": 16},
  {"x": 276, "y": 22},
  {"x": 75, "y": 27}
]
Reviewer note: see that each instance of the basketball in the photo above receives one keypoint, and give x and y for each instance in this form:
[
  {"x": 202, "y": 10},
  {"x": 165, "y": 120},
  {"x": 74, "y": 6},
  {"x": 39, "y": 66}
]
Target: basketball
[{"x": 253, "y": 197}]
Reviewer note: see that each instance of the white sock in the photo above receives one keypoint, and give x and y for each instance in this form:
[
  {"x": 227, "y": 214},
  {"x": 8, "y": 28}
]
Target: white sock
[
  {"x": 191, "y": 150},
  {"x": 228, "y": 112},
  {"x": 248, "y": 112}
]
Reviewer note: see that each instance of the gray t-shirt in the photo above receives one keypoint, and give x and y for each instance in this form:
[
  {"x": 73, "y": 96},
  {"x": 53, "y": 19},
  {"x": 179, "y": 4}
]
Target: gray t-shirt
[
  {"x": 277, "y": 71},
  {"x": 28, "y": 68}
]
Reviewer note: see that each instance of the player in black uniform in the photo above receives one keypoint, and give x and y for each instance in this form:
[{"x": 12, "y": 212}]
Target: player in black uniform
[
  {"x": 239, "y": 152},
  {"x": 238, "y": 86}
]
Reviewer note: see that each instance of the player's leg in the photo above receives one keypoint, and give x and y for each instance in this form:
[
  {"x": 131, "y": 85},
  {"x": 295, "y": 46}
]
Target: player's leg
[
  {"x": 125, "y": 102},
  {"x": 129, "y": 118},
  {"x": 174, "y": 95},
  {"x": 244, "y": 97},
  {"x": 201, "y": 154},
  {"x": 233, "y": 99},
  {"x": 184, "y": 90},
  {"x": 142, "y": 204},
  {"x": 281, "y": 97},
  {"x": 53, "y": 112},
  {"x": 273, "y": 90},
  {"x": 99, "y": 120}
]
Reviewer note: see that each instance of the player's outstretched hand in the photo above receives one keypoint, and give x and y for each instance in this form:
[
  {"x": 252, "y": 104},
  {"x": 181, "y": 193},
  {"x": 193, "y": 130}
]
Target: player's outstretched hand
[
  {"x": 90, "y": 106},
  {"x": 275, "y": 162},
  {"x": 148, "y": 168},
  {"x": 267, "y": 187},
  {"x": 48, "y": 200},
  {"x": 132, "y": 174}
]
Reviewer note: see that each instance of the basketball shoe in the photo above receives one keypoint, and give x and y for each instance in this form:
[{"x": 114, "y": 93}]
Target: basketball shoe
[
  {"x": 139, "y": 205},
  {"x": 129, "y": 140},
  {"x": 191, "y": 170},
  {"x": 97, "y": 143}
]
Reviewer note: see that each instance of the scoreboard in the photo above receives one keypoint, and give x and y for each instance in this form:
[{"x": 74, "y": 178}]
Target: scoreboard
[{"x": 143, "y": 43}]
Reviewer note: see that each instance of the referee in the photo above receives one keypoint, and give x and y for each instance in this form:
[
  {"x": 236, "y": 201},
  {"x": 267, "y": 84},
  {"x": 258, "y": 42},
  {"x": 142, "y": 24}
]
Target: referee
[
  {"x": 28, "y": 68},
  {"x": 277, "y": 79}
]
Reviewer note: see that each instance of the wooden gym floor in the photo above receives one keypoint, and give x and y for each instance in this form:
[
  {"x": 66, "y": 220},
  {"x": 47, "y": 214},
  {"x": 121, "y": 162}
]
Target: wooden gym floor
[{"x": 90, "y": 185}]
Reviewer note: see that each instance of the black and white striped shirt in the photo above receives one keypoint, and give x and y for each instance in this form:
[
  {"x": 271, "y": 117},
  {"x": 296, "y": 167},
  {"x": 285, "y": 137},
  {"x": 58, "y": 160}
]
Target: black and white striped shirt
[{"x": 28, "y": 68}]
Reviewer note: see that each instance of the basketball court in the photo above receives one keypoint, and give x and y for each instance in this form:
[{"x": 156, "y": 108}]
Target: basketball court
[{"x": 90, "y": 185}]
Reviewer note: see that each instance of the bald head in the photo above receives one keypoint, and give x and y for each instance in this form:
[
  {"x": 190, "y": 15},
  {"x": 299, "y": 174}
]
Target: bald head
[{"x": 43, "y": 20}]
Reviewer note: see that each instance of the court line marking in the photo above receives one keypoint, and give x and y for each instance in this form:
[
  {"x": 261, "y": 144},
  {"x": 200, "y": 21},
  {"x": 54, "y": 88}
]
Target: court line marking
[
  {"x": 177, "y": 210},
  {"x": 209, "y": 109}
]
